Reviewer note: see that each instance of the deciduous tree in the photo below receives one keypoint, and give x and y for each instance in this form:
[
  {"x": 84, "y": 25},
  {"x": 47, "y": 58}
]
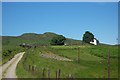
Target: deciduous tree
[
  {"x": 58, "y": 40},
  {"x": 88, "y": 37}
]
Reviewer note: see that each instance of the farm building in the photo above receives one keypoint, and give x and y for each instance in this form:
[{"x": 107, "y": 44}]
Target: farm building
[{"x": 94, "y": 41}]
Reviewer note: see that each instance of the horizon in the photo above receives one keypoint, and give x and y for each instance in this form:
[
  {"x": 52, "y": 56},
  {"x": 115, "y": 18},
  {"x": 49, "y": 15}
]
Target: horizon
[
  {"x": 54, "y": 33},
  {"x": 70, "y": 19}
]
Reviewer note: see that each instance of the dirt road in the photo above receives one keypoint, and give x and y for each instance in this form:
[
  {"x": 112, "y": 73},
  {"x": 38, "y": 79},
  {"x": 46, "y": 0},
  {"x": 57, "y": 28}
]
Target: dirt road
[{"x": 8, "y": 70}]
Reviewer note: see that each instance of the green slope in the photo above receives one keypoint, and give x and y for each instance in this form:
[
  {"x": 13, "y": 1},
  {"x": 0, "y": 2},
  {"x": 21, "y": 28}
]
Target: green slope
[
  {"x": 33, "y": 38},
  {"x": 89, "y": 66}
]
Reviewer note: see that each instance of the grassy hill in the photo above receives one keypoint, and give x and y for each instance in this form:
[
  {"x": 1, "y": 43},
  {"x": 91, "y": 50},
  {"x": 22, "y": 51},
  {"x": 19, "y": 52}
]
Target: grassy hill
[
  {"x": 10, "y": 44},
  {"x": 33, "y": 38},
  {"x": 92, "y": 62},
  {"x": 92, "y": 58}
]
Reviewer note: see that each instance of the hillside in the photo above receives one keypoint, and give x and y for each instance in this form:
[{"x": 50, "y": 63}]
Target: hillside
[
  {"x": 91, "y": 62},
  {"x": 33, "y": 38}
]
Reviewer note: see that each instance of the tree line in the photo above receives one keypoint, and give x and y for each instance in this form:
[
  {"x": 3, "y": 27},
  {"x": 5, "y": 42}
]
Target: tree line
[{"x": 60, "y": 39}]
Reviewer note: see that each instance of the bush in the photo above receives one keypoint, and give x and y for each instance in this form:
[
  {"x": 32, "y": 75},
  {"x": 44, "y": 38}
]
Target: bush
[{"x": 58, "y": 40}]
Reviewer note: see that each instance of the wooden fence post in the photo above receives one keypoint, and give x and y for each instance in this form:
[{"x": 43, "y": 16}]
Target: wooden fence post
[
  {"x": 33, "y": 69},
  {"x": 78, "y": 55},
  {"x": 48, "y": 74},
  {"x": 59, "y": 71},
  {"x": 43, "y": 73},
  {"x": 108, "y": 64}
]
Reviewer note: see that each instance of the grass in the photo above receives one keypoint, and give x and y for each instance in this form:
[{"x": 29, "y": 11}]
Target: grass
[
  {"x": 8, "y": 52},
  {"x": 92, "y": 62},
  {"x": 88, "y": 67},
  {"x": 21, "y": 71},
  {"x": 52, "y": 64}
]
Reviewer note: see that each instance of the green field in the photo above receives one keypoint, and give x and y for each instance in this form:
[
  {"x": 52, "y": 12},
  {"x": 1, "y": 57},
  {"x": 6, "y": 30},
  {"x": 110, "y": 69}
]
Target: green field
[
  {"x": 10, "y": 44},
  {"x": 92, "y": 62},
  {"x": 8, "y": 52},
  {"x": 92, "y": 59}
]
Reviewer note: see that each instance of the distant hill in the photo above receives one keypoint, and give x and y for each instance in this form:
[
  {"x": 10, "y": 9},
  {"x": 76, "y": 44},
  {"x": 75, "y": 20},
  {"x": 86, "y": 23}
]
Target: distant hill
[{"x": 38, "y": 39}]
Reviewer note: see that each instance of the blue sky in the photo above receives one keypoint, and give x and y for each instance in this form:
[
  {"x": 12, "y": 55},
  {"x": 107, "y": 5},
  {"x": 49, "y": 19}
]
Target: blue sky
[{"x": 69, "y": 19}]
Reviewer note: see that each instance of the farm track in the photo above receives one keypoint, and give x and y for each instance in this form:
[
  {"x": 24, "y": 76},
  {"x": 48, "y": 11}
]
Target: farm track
[{"x": 8, "y": 70}]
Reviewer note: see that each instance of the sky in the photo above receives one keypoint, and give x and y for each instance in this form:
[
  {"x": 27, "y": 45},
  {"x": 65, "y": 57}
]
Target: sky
[
  {"x": 60, "y": 0},
  {"x": 70, "y": 19}
]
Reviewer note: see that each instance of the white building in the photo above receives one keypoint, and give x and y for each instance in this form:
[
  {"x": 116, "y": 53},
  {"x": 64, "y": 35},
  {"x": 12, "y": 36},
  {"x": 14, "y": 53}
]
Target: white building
[{"x": 94, "y": 42}]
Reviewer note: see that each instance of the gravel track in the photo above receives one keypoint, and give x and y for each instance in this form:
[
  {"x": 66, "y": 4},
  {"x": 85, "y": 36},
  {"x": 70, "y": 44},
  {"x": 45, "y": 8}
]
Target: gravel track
[{"x": 8, "y": 70}]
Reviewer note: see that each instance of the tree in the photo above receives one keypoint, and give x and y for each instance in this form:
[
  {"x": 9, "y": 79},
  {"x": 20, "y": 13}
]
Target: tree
[
  {"x": 58, "y": 40},
  {"x": 88, "y": 37}
]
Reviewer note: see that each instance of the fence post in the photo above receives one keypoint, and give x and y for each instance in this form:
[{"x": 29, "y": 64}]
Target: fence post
[
  {"x": 43, "y": 73},
  {"x": 78, "y": 55},
  {"x": 108, "y": 64},
  {"x": 33, "y": 69},
  {"x": 59, "y": 71},
  {"x": 48, "y": 74}
]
